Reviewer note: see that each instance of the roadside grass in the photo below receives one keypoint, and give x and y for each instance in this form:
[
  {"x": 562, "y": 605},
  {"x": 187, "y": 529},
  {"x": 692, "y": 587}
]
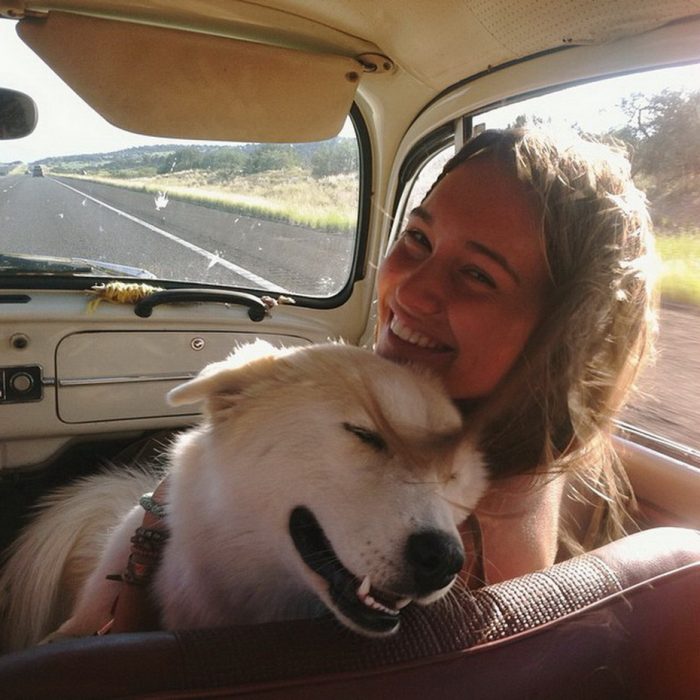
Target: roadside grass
[
  {"x": 327, "y": 204},
  {"x": 19, "y": 169},
  {"x": 680, "y": 268}
]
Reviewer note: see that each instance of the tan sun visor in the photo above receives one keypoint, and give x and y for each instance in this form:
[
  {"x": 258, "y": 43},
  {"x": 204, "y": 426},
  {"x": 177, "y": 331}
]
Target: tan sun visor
[{"x": 182, "y": 84}]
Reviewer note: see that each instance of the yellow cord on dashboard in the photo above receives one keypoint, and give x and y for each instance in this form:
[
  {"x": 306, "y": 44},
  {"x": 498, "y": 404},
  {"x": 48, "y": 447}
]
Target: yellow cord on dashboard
[{"x": 120, "y": 293}]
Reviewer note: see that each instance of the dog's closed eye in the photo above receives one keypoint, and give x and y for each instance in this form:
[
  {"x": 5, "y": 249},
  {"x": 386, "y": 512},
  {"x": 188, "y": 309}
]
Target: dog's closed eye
[{"x": 369, "y": 437}]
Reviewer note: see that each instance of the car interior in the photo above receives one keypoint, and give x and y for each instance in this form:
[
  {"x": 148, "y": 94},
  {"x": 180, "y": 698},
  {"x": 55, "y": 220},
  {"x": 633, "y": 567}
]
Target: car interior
[{"x": 87, "y": 356}]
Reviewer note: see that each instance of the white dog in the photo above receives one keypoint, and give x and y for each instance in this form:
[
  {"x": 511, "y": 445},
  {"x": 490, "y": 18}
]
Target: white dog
[{"x": 322, "y": 477}]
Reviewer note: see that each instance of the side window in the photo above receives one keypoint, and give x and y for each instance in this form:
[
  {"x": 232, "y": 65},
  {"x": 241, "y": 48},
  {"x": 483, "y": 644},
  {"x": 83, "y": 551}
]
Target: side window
[
  {"x": 427, "y": 176},
  {"x": 656, "y": 114}
]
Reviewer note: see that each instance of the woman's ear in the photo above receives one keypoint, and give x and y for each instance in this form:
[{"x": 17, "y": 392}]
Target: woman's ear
[{"x": 221, "y": 383}]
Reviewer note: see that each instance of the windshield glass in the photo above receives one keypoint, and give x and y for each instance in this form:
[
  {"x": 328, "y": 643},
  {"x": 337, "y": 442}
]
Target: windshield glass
[{"x": 273, "y": 217}]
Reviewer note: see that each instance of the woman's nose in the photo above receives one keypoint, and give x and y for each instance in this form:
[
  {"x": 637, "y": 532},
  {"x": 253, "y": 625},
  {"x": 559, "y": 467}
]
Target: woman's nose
[{"x": 422, "y": 290}]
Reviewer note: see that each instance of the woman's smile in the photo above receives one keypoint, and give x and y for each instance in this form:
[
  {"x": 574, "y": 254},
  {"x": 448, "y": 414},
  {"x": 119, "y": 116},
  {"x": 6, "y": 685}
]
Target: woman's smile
[{"x": 414, "y": 337}]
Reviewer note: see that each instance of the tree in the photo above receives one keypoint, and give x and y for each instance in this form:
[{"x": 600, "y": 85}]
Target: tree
[
  {"x": 270, "y": 156},
  {"x": 662, "y": 130},
  {"x": 531, "y": 120},
  {"x": 187, "y": 158},
  {"x": 225, "y": 158},
  {"x": 335, "y": 157}
]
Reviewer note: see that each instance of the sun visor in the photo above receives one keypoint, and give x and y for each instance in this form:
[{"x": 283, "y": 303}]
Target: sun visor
[{"x": 182, "y": 84}]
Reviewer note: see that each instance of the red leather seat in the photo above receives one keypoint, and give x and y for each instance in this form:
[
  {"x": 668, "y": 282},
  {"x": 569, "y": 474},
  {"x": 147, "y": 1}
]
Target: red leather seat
[{"x": 619, "y": 622}]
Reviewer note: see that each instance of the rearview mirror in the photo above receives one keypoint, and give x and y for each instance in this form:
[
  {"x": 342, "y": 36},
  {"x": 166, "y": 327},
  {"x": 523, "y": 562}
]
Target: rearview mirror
[{"x": 18, "y": 114}]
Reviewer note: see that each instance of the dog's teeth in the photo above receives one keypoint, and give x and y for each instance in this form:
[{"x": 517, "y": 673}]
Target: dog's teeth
[
  {"x": 399, "y": 604},
  {"x": 376, "y": 605},
  {"x": 363, "y": 594}
]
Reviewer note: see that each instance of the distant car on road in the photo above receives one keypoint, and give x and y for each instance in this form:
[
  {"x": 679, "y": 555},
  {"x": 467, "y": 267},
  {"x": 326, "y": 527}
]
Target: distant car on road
[{"x": 37, "y": 171}]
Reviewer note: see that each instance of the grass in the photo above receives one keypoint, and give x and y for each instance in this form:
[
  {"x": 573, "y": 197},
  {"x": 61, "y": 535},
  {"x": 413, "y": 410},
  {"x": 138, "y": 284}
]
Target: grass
[
  {"x": 680, "y": 269},
  {"x": 328, "y": 204},
  {"x": 19, "y": 169}
]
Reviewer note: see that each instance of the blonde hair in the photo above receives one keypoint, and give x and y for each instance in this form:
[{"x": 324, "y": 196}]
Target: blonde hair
[{"x": 554, "y": 408}]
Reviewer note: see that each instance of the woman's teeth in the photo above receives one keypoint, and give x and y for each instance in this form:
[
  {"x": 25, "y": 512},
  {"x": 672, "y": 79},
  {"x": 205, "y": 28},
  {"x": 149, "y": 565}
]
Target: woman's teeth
[{"x": 410, "y": 336}]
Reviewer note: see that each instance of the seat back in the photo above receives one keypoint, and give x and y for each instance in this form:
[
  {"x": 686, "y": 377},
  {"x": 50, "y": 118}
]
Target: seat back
[{"x": 620, "y": 622}]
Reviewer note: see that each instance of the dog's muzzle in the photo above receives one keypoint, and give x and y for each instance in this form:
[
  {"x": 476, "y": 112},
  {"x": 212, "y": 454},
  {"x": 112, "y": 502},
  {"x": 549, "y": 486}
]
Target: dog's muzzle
[{"x": 433, "y": 559}]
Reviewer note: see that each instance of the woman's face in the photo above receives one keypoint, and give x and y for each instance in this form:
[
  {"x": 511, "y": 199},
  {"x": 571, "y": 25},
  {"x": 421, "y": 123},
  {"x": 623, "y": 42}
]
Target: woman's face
[{"x": 464, "y": 286}]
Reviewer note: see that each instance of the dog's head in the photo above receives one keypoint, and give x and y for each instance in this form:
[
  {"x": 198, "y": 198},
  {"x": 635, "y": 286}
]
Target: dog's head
[{"x": 359, "y": 468}]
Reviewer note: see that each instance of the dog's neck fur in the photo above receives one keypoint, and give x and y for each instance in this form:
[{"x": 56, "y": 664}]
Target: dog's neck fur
[{"x": 255, "y": 590}]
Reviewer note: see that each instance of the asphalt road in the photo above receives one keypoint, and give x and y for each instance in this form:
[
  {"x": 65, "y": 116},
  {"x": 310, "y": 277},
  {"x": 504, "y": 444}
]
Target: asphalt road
[
  {"x": 185, "y": 241},
  {"x": 179, "y": 241}
]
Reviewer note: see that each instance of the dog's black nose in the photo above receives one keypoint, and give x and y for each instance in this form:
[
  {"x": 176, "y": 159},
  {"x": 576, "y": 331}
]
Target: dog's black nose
[{"x": 435, "y": 557}]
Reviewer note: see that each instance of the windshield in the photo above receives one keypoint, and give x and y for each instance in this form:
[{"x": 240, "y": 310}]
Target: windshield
[{"x": 272, "y": 217}]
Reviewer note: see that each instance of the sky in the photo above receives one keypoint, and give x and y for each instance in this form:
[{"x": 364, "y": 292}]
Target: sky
[
  {"x": 596, "y": 106},
  {"x": 83, "y": 131}
]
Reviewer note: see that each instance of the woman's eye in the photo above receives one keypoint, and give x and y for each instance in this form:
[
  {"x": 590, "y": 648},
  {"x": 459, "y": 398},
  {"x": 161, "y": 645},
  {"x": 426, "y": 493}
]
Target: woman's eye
[
  {"x": 417, "y": 236},
  {"x": 415, "y": 240},
  {"x": 480, "y": 276}
]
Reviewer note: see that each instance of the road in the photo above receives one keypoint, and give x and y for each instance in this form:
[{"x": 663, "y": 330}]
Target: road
[
  {"x": 185, "y": 241},
  {"x": 668, "y": 402},
  {"x": 179, "y": 241}
]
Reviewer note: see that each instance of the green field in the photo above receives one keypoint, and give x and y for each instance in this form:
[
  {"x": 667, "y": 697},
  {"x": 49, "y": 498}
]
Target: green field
[{"x": 680, "y": 269}]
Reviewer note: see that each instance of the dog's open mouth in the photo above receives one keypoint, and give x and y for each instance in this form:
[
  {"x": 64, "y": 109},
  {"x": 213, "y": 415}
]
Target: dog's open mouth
[{"x": 370, "y": 610}]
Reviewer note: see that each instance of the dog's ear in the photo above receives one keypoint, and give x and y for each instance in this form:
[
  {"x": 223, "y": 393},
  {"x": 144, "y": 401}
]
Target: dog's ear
[{"x": 221, "y": 382}]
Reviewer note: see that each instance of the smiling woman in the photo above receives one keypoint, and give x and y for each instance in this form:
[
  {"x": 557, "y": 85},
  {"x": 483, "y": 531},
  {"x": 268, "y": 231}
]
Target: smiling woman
[{"x": 524, "y": 280}]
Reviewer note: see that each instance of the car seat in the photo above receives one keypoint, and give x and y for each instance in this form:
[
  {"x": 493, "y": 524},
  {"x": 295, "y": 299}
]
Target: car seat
[{"x": 618, "y": 622}]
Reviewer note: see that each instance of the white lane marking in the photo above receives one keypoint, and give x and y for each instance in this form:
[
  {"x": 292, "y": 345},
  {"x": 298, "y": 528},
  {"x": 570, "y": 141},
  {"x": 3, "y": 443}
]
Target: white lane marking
[{"x": 213, "y": 258}]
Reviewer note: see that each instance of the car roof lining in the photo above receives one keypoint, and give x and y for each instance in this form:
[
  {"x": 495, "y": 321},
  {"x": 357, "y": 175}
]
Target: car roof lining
[
  {"x": 430, "y": 51},
  {"x": 436, "y": 45}
]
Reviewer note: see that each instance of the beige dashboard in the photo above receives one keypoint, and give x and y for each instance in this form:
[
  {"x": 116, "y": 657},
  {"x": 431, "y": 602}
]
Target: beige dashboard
[{"x": 68, "y": 374}]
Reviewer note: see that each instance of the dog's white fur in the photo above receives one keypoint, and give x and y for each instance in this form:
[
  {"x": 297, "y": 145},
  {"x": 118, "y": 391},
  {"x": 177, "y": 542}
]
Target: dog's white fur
[{"x": 274, "y": 436}]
